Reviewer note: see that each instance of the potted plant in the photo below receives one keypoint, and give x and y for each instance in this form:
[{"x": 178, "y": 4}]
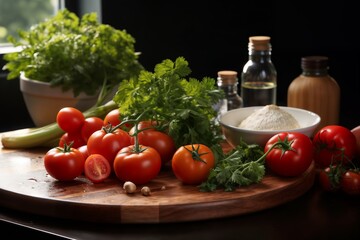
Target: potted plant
[{"x": 79, "y": 57}]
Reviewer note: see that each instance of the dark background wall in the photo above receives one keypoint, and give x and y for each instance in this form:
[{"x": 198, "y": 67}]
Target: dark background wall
[{"x": 213, "y": 36}]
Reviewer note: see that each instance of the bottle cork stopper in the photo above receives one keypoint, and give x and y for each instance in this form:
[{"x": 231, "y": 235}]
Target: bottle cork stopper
[
  {"x": 260, "y": 42},
  {"x": 227, "y": 76}
]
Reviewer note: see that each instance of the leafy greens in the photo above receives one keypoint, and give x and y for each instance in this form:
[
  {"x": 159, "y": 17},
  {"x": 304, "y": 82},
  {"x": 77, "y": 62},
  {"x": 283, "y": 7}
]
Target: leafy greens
[
  {"x": 182, "y": 106},
  {"x": 81, "y": 55},
  {"x": 242, "y": 166}
]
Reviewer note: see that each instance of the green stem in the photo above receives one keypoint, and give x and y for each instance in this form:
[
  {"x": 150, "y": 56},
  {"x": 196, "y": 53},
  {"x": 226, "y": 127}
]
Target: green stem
[
  {"x": 195, "y": 153},
  {"x": 283, "y": 145},
  {"x": 137, "y": 148}
]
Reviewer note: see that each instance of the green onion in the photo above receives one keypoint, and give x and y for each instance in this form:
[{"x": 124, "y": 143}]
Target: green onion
[{"x": 43, "y": 136}]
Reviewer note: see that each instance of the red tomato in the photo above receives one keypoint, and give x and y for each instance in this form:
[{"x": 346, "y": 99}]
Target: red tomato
[
  {"x": 70, "y": 119},
  {"x": 350, "y": 182},
  {"x": 138, "y": 167},
  {"x": 162, "y": 143},
  {"x": 292, "y": 154},
  {"x": 329, "y": 178},
  {"x": 113, "y": 117},
  {"x": 64, "y": 164},
  {"x": 91, "y": 124},
  {"x": 145, "y": 126},
  {"x": 191, "y": 164},
  {"x": 333, "y": 144},
  {"x": 83, "y": 149},
  {"x": 75, "y": 138},
  {"x": 107, "y": 143},
  {"x": 97, "y": 168}
]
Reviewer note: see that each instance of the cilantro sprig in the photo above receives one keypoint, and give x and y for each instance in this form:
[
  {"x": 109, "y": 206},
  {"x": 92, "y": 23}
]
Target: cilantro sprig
[
  {"x": 242, "y": 166},
  {"x": 181, "y": 104}
]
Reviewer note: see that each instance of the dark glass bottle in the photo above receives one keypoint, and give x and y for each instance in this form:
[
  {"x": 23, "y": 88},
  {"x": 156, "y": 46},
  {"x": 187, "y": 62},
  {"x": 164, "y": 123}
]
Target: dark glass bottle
[
  {"x": 315, "y": 90},
  {"x": 259, "y": 76}
]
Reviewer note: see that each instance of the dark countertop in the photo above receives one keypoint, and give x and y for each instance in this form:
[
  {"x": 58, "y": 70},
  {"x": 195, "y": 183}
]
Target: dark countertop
[{"x": 314, "y": 215}]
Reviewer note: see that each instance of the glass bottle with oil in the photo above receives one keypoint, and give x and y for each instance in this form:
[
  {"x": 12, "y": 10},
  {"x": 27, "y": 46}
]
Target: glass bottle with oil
[{"x": 259, "y": 76}]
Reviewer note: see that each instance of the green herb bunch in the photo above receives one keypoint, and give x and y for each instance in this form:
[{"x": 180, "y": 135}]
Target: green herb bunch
[
  {"x": 242, "y": 166},
  {"x": 81, "y": 55},
  {"x": 183, "y": 106}
]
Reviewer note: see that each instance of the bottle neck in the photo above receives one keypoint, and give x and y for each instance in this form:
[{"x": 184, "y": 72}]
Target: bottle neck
[
  {"x": 315, "y": 72},
  {"x": 259, "y": 49},
  {"x": 314, "y": 66},
  {"x": 260, "y": 55}
]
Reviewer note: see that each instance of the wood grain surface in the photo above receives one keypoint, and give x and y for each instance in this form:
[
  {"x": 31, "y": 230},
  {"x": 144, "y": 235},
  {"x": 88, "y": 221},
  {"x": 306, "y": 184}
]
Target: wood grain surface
[{"x": 25, "y": 186}]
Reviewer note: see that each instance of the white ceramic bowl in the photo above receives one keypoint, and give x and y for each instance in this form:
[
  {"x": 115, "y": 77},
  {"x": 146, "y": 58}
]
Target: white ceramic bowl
[
  {"x": 230, "y": 120},
  {"x": 43, "y": 101}
]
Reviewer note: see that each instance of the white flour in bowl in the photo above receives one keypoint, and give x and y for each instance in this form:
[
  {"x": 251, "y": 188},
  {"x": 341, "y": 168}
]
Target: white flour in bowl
[{"x": 270, "y": 117}]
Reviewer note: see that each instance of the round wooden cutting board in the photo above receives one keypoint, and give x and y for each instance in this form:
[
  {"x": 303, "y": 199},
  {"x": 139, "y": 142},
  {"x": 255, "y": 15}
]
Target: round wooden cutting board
[{"x": 26, "y": 186}]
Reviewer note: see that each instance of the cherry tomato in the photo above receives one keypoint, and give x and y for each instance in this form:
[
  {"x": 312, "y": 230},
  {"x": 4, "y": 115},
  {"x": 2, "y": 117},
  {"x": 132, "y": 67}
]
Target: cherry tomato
[
  {"x": 162, "y": 142},
  {"x": 138, "y": 167},
  {"x": 350, "y": 182},
  {"x": 191, "y": 164},
  {"x": 108, "y": 143},
  {"x": 329, "y": 178},
  {"x": 64, "y": 164},
  {"x": 83, "y": 149},
  {"x": 70, "y": 119},
  {"x": 113, "y": 117},
  {"x": 145, "y": 126},
  {"x": 75, "y": 138},
  {"x": 97, "y": 168},
  {"x": 291, "y": 155},
  {"x": 91, "y": 124},
  {"x": 333, "y": 144}
]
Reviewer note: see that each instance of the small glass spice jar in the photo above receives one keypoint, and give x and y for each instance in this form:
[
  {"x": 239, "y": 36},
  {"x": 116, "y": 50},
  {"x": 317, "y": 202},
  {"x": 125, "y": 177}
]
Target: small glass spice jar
[{"x": 227, "y": 80}]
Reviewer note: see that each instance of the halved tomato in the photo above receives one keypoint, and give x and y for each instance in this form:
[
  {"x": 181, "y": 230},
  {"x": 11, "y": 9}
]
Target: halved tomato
[{"x": 97, "y": 168}]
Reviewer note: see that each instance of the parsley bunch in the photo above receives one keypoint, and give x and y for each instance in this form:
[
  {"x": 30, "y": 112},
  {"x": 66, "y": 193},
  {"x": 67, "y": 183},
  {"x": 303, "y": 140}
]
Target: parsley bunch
[
  {"x": 242, "y": 166},
  {"x": 183, "y": 106},
  {"x": 81, "y": 55}
]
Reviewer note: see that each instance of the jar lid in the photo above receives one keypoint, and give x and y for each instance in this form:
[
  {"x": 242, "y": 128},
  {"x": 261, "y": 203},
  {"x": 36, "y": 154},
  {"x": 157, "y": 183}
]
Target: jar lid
[
  {"x": 227, "y": 76},
  {"x": 314, "y": 62},
  {"x": 259, "y": 42}
]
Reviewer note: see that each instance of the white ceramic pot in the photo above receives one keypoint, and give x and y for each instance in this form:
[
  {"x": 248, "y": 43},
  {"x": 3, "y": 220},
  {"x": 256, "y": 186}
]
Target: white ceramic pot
[{"x": 43, "y": 102}]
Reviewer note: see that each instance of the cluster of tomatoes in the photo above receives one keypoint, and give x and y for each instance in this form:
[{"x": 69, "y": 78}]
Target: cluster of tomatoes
[
  {"x": 337, "y": 157},
  {"x": 137, "y": 152},
  {"x": 333, "y": 149}
]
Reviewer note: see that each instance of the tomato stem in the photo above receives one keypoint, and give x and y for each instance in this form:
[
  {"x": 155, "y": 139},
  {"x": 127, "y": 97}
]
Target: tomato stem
[
  {"x": 195, "y": 153},
  {"x": 284, "y": 145},
  {"x": 137, "y": 148},
  {"x": 66, "y": 148}
]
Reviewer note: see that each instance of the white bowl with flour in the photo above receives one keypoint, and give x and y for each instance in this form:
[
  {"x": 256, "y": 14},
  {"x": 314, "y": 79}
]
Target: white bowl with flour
[{"x": 260, "y": 127}]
